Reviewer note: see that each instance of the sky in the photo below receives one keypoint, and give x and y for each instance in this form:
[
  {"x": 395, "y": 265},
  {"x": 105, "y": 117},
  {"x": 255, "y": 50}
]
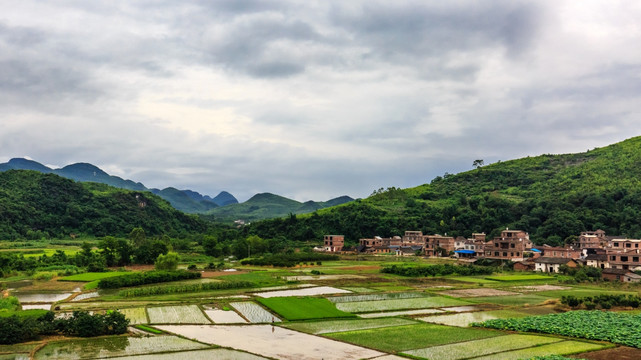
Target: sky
[{"x": 313, "y": 99}]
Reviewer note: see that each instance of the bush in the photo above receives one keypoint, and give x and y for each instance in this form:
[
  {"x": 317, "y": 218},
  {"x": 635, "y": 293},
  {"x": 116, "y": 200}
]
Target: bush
[
  {"x": 192, "y": 267},
  {"x": 159, "y": 290},
  {"x": 438, "y": 270},
  {"x": 289, "y": 260},
  {"x": 149, "y": 277},
  {"x": 168, "y": 261}
]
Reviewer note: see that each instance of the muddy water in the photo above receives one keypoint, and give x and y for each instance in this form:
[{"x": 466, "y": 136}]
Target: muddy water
[
  {"x": 40, "y": 297},
  {"x": 273, "y": 341}
]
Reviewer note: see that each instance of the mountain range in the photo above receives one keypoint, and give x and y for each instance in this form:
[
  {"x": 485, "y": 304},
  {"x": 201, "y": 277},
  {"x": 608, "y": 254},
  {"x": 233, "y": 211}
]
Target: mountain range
[{"x": 223, "y": 207}]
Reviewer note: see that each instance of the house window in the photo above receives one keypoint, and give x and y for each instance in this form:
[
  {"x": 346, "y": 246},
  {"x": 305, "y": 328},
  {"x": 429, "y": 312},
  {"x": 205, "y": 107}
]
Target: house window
[
  {"x": 496, "y": 253},
  {"x": 616, "y": 244},
  {"x": 628, "y": 245},
  {"x": 613, "y": 258},
  {"x": 505, "y": 254},
  {"x": 512, "y": 245},
  {"x": 635, "y": 259},
  {"x": 624, "y": 258}
]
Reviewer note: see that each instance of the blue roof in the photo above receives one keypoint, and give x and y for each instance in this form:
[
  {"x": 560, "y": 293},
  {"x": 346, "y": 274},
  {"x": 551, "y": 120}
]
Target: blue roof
[
  {"x": 465, "y": 251},
  {"x": 536, "y": 250}
]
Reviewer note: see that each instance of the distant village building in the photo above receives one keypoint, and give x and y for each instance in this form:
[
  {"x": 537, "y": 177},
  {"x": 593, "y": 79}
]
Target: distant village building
[
  {"x": 334, "y": 243},
  {"x": 621, "y": 275},
  {"x": 593, "y": 240},
  {"x": 552, "y": 265},
  {"x": 511, "y": 245},
  {"x": 437, "y": 245},
  {"x": 559, "y": 252}
]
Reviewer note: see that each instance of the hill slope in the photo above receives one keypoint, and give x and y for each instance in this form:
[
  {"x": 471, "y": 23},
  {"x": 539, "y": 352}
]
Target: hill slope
[
  {"x": 33, "y": 205},
  {"x": 551, "y": 196},
  {"x": 266, "y": 205},
  {"x": 189, "y": 202}
]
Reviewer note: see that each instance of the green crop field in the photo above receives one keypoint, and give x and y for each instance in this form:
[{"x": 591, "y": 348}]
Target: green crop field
[
  {"x": 523, "y": 277},
  {"x": 562, "y": 348},
  {"x": 324, "y": 327},
  {"x": 409, "y": 337},
  {"x": 476, "y": 348},
  {"x": 91, "y": 276},
  {"x": 303, "y": 308},
  {"x": 514, "y": 300}
]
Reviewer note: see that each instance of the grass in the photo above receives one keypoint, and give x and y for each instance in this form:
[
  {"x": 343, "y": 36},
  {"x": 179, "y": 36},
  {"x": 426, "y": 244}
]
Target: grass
[
  {"x": 560, "y": 348},
  {"x": 91, "y": 276},
  {"x": 520, "y": 278},
  {"x": 515, "y": 300},
  {"x": 324, "y": 327},
  {"x": 260, "y": 278},
  {"x": 148, "y": 329},
  {"x": 582, "y": 292},
  {"x": 24, "y": 313},
  {"x": 476, "y": 280},
  {"x": 303, "y": 308},
  {"x": 409, "y": 337},
  {"x": 475, "y": 348}
]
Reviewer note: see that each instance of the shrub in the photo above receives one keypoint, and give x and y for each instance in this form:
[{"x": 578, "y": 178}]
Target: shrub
[
  {"x": 149, "y": 277},
  {"x": 159, "y": 290},
  {"x": 438, "y": 270},
  {"x": 192, "y": 267}
]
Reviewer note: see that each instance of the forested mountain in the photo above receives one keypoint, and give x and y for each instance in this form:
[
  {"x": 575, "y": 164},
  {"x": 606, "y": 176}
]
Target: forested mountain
[
  {"x": 266, "y": 206},
  {"x": 553, "y": 197},
  {"x": 184, "y": 200},
  {"x": 33, "y": 205}
]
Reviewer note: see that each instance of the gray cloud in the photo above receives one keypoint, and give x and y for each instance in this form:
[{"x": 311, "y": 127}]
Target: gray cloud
[{"x": 312, "y": 100}]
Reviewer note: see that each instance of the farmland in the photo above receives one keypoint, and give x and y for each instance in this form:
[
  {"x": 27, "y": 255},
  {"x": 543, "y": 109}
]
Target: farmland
[{"x": 368, "y": 314}]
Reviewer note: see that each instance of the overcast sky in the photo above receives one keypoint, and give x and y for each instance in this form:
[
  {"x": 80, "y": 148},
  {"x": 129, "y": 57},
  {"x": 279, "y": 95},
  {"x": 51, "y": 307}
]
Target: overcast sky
[{"x": 313, "y": 99}]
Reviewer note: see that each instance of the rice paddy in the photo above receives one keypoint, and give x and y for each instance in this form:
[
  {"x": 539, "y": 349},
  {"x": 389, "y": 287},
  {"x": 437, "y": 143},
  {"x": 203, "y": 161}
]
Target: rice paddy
[
  {"x": 114, "y": 346},
  {"x": 400, "y": 313},
  {"x": 136, "y": 315},
  {"x": 373, "y": 297},
  {"x": 324, "y": 327},
  {"x": 321, "y": 290},
  {"x": 464, "y": 319},
  {"x": 254, "y": 312},
  {"x": 183, "y": 314},
  {"x": 399, "y": 304},
  {"x": 224, "y": 317},
  {"x": 208, "y": 354}
]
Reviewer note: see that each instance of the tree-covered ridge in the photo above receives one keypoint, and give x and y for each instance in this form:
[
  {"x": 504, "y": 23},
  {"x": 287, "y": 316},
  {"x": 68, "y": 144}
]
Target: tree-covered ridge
[
  {"x": 33, "y": 205},
  {"x": 553, "y": 197}
]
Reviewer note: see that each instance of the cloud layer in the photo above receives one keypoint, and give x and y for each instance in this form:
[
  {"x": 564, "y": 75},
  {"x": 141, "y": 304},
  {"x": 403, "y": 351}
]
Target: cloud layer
[{"x": 313, "y": 100}]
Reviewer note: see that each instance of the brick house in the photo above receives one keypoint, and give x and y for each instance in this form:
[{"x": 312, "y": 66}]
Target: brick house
[
  {"x": 334, "y": 243},
  {"x": 597, "y": 260},
  {"x": 509, "y": 246},
  {"x": 621, "y": 275},
  {"x": 433, "y": 243},
  {"x": 560, "y": 252},
  {"x": 593, "y": 240}
]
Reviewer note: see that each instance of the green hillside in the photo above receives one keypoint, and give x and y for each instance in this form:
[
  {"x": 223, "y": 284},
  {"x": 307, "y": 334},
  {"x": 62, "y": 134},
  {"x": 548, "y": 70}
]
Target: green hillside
[
  {"x": 266, "y": 206},
  {"x": 33, "y": 205},
  {"x": 553, "y": 197}
]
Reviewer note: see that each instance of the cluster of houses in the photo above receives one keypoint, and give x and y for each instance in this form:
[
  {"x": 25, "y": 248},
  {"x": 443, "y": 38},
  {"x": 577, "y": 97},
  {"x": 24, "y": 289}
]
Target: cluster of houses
[{"x": 616, "y": 257}]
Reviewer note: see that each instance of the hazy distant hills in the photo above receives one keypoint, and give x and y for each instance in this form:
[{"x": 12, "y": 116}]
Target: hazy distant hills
[
  {"x": 184, "y": 200},
  {"x": 223, "y": 207},
  {"x": 266, "y": 206}
]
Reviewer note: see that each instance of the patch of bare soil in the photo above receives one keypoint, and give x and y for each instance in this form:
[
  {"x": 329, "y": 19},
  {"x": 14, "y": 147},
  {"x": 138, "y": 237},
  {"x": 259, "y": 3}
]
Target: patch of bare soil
[
  {"x": 619, "y": 353},
  {"x": 139, "y": 267},
  {"x": 53, "y": 286}
]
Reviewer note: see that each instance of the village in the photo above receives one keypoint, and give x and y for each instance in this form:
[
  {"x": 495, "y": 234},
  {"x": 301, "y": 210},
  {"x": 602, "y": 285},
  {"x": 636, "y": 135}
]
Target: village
[{"x": 616, "y": 257}]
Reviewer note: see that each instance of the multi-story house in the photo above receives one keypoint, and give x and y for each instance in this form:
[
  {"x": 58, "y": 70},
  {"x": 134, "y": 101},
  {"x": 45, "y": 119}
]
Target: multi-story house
[
  {"x": 560, "y": 252},
  {"x": 436, "y": 245},
  {"x": 334, "y": 243},
  {"x": 509, "y": 246},
  {"x": 593, "y": 240},
  {"x": 624, "y": 254}
]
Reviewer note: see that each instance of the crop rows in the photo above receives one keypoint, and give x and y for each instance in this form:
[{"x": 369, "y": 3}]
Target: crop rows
[
  {"x": 399, "y": 304},
  {"x": 374, "y": 297},
  {"x": 174, "y": 289},
  {"x": 254, "y": 313},
  {"x": 614, "y": 327},
  {"x": 186, "y": 314},
  {"x": 324, "y": 327}
]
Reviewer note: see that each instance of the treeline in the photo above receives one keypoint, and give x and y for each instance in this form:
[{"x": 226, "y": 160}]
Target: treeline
[
  {"x": 175, "y": 289},
  {"x": 147, "y": 277},
  {"x": 36, "y": 205},
  {"x": 15, "y": 329},
  {"x": 438, "y": 270},
  {"x": 603, "y": 301},
  {"x": 288, "y": 260}
]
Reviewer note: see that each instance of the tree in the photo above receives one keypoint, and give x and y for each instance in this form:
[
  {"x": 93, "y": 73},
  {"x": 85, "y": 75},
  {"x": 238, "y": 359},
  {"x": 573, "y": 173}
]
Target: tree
[
  {"x": 167, "y": 262},
  {"x": 137, "y": 236},
  {"x": 109, "y": 247},
  {"x": 478, "y": 163}
]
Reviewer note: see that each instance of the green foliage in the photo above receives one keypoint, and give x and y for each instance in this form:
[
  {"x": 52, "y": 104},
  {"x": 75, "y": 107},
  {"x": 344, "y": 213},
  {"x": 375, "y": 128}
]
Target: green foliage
[
  {"x": 91, "y": 276},
  {"x": 167, "y": 261},
  {"x": 604, "y": 301},
  {"x": 614, "y": 327},
  {"x": 288, "y": 260},
  {"x": 175, "y": 289},
  {"x": 303, "y": 308},
  {"x": 148, "y": 277},
  {"x": 9, "y": 303},
  {"x": 37, "y": 205},
  {"x": 551, "y": 196},
  {"x": 148, "y": 329},
  {"x": 438, "y": 270},
  {"x": 83, "y": 324}
]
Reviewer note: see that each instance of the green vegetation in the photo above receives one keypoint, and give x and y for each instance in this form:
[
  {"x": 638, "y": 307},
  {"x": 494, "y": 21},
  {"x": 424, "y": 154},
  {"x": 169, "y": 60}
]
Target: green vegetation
[
  {"x": 524, "y": 277},
  {"x": 410, "y": 337},
  {"x": 288, "y": 260},
  {"x": 148, "y": 329},
  {"x": 266, "y": 206},
  {"x": 148, "y": 277},
  {"x": 331, "y": 326},
  {"x": 438, "y": 270},
  {"x": 563, "y": 347},
  {"x": 618, "y": 328},
  {"x": 15, "y": 329},
  {"x": 603, "y": 301},
  {"x": 184, "y": 314},
  {"x": 37, "y": 205},
  {"x": 91, "y": 276},
  {"x": 400, "y": 304},
  {"x": 175, "y": 289},
  {"x": 303, "y": 308},
  {"x": 553, "y": 197},
  {"x": 167, "y": 261},
  {"x": 475, "y": 348}
]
